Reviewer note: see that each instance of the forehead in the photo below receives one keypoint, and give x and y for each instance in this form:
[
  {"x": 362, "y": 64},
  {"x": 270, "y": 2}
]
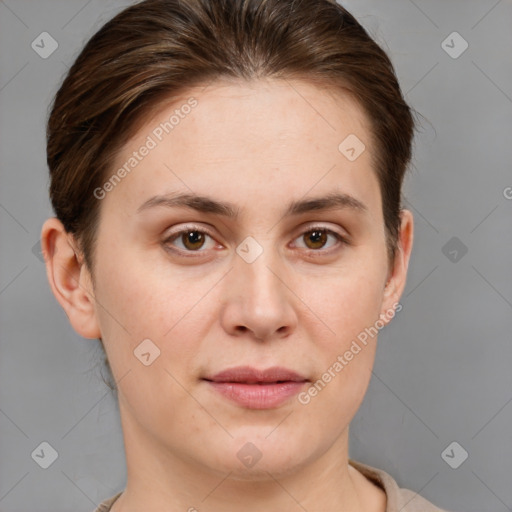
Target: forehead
[
  {"x": 268, "y": 110},
  {"x": 248, "y": 140}
]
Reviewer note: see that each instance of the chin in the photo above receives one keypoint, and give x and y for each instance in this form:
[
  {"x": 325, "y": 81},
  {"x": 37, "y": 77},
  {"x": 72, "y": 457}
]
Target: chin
[
  {"x": 253, "y": 457},
  {"x": 263, "y": 470}
]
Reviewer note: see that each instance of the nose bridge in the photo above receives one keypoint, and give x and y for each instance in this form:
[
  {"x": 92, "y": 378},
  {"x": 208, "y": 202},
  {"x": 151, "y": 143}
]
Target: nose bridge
[{"x": 256, "y": 268}]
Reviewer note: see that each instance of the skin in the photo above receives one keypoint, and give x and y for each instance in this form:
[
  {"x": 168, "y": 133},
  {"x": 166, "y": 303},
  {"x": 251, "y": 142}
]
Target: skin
[{"x": 258, "y": 145}]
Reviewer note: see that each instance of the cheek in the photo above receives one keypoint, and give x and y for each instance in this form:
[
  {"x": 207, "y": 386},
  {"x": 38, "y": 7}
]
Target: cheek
[
  {"x": 347, "y": 304},
  {"x": 155, "y": 302},
  {"x": 350, "y": 307},
  {"x": 137, "y": 296},
  {"x": 149, "y": 303}
]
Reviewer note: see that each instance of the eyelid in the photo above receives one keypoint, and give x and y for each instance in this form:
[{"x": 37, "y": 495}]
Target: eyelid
[
  {"x": 311, "y": 227},
  {"x": 189, "y": 227}
]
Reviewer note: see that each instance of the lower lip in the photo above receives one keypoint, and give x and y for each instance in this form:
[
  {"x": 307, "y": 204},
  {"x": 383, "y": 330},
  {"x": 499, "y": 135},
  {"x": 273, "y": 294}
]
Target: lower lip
[{"x": 258, "y": 396}]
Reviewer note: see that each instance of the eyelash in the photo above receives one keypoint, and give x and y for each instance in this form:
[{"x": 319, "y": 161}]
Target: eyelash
[{"x": 174, "y": 236}]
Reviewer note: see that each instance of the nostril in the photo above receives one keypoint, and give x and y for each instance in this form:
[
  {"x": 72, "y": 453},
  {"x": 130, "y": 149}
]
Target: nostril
[{"x": 242, "y": 328}]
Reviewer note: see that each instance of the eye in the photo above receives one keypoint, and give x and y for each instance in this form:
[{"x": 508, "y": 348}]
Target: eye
[
  {"x": 192, "y": 239},
  {"x": 317, "y": 237}
]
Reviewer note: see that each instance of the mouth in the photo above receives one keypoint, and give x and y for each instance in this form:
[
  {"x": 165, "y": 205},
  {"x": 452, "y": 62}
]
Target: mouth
[{"x": 257, "y": 389}]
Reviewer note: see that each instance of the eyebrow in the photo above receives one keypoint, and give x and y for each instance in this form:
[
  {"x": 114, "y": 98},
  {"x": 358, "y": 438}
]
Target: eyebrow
[{"x": 204, "y": 204}]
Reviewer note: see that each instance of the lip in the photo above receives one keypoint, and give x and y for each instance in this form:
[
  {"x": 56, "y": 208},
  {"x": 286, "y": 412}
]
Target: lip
[{"x": 257, "y": 389}]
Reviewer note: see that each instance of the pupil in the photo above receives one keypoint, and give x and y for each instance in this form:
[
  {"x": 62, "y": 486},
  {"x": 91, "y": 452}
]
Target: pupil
[
  {"x": 193, "y": 238},
  {"x": 317, "y": 237}
]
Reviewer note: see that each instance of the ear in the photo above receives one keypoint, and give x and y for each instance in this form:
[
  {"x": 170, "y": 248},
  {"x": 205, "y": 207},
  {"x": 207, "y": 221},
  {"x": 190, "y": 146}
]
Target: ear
[
  {"x": 398, "y": 273},
  {"x": 69, "y": 278}
]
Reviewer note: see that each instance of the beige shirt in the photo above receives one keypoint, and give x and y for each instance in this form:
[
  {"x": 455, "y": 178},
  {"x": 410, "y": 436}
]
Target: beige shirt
[{"x": 399, "y": 500}]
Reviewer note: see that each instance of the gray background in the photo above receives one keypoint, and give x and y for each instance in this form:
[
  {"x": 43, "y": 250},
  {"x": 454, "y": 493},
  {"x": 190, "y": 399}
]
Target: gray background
[{"x": 443, "y": 369}]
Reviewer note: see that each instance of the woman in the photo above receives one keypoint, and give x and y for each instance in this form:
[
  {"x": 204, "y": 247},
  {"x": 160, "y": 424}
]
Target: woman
[{"x": 226, "y": 177}]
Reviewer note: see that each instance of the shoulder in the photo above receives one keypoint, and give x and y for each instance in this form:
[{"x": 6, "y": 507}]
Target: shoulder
[
  {"x": 105, "y": 505},
  {"x": 398, "y": 499}
]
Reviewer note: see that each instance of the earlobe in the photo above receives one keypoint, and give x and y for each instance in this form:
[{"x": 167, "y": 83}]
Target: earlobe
[{"x": 69, "y": 278}]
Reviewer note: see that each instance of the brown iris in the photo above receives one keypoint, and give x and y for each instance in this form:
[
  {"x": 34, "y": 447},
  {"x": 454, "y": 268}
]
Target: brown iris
[
  {"x": 193, "y": 239},
  {"x": 317, "y": 237}
]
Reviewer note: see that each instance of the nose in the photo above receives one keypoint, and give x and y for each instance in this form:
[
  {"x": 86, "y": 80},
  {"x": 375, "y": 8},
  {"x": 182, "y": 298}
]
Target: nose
[{"x": 259, "y": 302}]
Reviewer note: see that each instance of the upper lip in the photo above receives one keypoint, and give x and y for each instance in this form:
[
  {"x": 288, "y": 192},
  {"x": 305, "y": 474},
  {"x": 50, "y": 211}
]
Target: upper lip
[{"x": 249, "y": 375}]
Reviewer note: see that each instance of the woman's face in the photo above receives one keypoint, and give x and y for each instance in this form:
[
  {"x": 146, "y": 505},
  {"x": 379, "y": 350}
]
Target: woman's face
[{"x": 257, "y": 273}]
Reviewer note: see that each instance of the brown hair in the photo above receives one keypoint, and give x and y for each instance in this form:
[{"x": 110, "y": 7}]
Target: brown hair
[{"x": 156, "y": 49}]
